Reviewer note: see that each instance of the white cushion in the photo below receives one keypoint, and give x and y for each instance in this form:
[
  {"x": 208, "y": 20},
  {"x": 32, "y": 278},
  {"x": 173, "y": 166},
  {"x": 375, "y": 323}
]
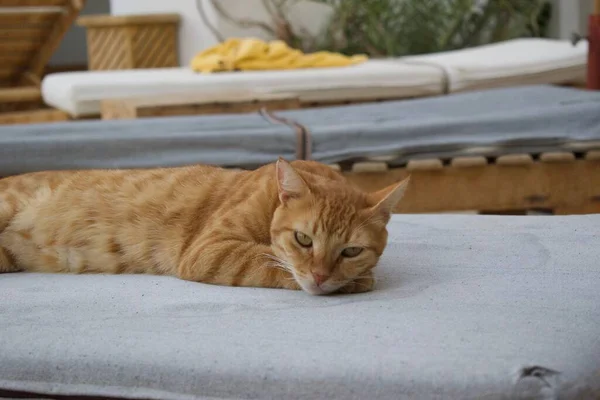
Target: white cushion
[
  {"x": 80, "y": 93},
  {"x": 510, "y": 63},
  {"x": 515, "y": 62}
]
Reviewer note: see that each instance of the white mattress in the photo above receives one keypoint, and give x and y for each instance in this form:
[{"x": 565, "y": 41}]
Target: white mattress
[
  {"x": 522, "y": 61},
  {"x": 466, "y": 307},
  {"x": 80, "y": 93},
  {"x": 515, "y": 62}
]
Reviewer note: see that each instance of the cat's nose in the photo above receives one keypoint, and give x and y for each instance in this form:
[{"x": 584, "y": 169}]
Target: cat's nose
[{"x": 319, "y": 278}]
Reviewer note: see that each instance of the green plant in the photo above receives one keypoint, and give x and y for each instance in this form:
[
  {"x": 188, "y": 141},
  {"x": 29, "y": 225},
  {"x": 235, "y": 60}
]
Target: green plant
[
  {"x": 382, "y": 28},
  {"x": 401, "y": 27}
]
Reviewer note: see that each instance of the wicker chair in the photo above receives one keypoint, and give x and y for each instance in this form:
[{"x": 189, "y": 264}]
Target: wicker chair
[{"x": 30, "y": 32}]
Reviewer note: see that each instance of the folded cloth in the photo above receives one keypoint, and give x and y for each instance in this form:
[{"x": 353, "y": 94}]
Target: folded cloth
[{"x": 254, "y": 54}]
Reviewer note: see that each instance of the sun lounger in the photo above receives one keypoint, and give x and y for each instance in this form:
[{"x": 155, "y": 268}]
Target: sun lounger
[
  {"x": 80, "y": 93},
  {"x": 526, "y": 148},
  {"x": 535, "y": 147},
  {"x": 466, "y": 307},
  {"x": 517, "y": 62},
  {"x": 489, "y": 123}
]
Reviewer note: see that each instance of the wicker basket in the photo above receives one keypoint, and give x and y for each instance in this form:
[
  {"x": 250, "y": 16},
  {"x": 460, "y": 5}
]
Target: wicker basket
[{"x": 132, "y": 41}]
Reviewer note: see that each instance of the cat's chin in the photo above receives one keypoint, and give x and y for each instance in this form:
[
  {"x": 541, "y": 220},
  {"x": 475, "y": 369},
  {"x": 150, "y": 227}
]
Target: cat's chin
[
  {"x": 311, "y": 287},
  {"x": 314, "y": 290}
]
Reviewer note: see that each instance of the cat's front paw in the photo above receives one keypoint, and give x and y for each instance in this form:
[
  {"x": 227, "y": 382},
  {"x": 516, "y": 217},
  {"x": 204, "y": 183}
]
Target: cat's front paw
[{"x": 364, "y": 283}]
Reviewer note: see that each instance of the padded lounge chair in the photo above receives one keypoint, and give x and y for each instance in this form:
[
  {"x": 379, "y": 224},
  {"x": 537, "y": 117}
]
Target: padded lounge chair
[
  {"x": 515, "y": 62},
  {"x": 30, "y": 32},
  {"x": 466, "y": 307},
  {"x": 532, "y": 147},
  {"x": 501, "y": 150}
]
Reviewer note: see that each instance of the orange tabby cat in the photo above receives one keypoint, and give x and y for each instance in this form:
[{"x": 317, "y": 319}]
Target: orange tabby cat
[{"x": 294, "y": 226}]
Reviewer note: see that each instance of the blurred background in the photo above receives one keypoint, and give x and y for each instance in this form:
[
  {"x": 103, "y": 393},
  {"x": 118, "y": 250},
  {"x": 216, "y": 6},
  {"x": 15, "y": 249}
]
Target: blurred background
[
  {"x": 389, "y": 27},
  {"x": 487, "y": 95}
]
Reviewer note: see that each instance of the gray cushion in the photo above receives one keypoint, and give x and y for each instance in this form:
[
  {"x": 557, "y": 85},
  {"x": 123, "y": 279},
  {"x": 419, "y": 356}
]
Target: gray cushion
[
  {"x": 466, "y": 307},
  {"x": 242, "y": 140},
  {"x": 528, "y": 119}
]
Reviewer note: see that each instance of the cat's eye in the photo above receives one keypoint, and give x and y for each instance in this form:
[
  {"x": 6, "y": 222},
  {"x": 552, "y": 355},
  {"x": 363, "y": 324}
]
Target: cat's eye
[
  {"x": 352, "y": 251},
  {"x": 302, "y": 239}
]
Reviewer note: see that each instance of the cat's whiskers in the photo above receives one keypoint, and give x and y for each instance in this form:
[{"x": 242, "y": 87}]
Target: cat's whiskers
[
  {"x": 278, "y": 263},
  {"x": 366, "y": 286}
]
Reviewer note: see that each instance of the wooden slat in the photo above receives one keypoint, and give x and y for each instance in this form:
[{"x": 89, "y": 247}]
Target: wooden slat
[
  {"x": 572, "y": 187},
  {"x": 557, "y": 157},
  {"x": 515, "y": 160},
  {"x": 15, "y": 60},
  {"x": 593, "y": 155},
  {"x": 433, "y": 164},
  {"x": 189, "y": 98},
  {"x": 18, "y": 46},
  {"x": 369, "y": 166},
  {"x": 468, "y": 162},
  {"x": 194, "y": 104},
  {"x": 36, "y": 116},
  {"x": 219, "y": 108},
  {"x": 15, "y": 25},
  {"x": 32, "y": 3},
  {"x": 32, "y": 10},
  {"x": 19, "y": 32},
  {"x": 102, "y": 21},
  {"x": 18, "y": 95},
  {"x": 7, "y": 74},
  {"x": 11, "y": 18}
]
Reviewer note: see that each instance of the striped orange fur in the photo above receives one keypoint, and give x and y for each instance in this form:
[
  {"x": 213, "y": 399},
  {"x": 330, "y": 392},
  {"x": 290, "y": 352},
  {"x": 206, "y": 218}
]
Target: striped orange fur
[{"x": 296, "y": 225}]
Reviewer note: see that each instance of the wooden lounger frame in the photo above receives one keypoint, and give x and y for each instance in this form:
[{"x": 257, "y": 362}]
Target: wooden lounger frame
[
  {"x": 195, "y": 104},
  {"x": 559, "y": 183},
  {"x": 215, "y": 103}
]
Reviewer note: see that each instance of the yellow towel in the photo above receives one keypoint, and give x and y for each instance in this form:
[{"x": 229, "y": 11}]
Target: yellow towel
[{"x": 255, "y": 54}]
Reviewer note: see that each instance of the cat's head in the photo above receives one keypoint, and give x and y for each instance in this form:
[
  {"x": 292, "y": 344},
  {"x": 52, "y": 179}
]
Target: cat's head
[{"x": 326, "y": 232}]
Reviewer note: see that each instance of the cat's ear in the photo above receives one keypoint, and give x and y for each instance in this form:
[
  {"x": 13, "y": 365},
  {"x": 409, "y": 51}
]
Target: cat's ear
[
  {"x": 289, "y": 183},
  {"x": 387, "y": 198}
]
